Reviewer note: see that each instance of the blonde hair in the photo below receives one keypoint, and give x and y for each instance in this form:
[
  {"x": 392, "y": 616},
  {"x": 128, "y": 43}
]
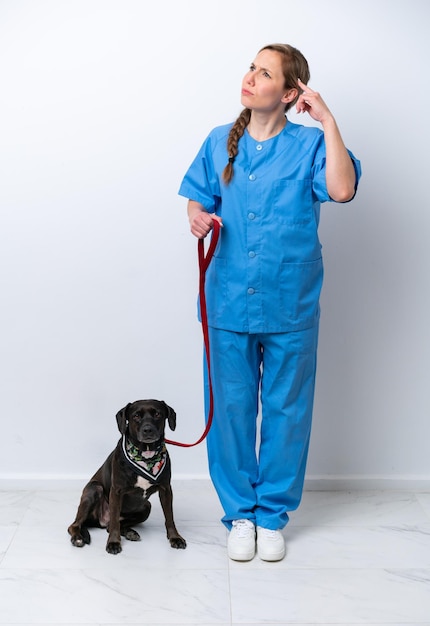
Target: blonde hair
[{"x": 294, "y": 66}]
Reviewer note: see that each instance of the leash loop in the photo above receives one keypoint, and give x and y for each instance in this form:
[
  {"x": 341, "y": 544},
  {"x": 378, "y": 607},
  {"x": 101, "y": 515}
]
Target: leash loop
[{"x": 204, "y": 262}]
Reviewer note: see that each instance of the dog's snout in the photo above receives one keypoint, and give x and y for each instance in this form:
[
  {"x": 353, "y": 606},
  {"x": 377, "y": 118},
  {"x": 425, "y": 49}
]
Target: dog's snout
[{"x": 147, "y": 431}]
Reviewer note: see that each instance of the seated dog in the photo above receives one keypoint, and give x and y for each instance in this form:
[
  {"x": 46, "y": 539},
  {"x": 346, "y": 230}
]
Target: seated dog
[{"x": 117, "y": 496}]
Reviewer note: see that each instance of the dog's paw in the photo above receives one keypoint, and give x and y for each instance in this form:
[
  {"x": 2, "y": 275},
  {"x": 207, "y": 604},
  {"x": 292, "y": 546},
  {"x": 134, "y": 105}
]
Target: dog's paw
[
  {"x": 80, "y": 539},
  {"x": 131, "y": 535},
  {"x": 78, "y": 542},
  {"x": 178, "y": 542},
  {"x": 113, "y": 547}
]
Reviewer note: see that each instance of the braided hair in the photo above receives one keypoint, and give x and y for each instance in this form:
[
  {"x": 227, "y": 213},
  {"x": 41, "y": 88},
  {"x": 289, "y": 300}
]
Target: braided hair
[{"x": 294, "y": 66}]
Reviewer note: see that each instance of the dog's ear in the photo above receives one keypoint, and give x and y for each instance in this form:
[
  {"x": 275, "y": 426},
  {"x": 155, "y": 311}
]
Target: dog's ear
[
  {"x": 171, "y": 416},
  {"x": 121, "y": 419}
]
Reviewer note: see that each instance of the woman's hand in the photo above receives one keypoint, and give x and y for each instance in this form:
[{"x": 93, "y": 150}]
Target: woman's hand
[
  {"x": 311, "y": 102},
  {"x": 201, "y": 222}
]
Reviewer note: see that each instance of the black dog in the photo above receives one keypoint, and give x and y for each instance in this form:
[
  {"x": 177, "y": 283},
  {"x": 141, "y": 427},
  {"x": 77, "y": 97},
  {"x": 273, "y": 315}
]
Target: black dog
[{"x": 117, "y": 495}]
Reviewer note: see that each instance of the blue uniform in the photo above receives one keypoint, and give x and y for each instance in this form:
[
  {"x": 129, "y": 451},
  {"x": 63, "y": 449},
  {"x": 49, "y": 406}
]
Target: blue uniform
[{"x": 262, "y": 291}]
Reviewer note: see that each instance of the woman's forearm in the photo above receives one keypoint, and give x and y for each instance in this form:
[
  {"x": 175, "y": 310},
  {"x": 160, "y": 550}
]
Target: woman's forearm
[{"x": 340, "y": 172}]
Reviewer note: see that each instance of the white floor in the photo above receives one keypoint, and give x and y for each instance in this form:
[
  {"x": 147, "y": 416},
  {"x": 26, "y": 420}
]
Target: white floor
[{"x": 353, "y": 558}]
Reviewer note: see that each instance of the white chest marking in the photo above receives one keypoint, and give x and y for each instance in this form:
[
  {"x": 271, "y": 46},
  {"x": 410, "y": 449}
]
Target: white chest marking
[{"x": 143, "y": 483}]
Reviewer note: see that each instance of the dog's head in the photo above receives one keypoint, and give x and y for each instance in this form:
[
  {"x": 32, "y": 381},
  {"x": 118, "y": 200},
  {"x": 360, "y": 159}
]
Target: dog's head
[{"x": 144, "y": 420}]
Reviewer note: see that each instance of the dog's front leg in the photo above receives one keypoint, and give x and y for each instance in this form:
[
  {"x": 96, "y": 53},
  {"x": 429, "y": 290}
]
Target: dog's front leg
[
  {"x": 166, "y": 499},
  {"x": 113, "y": 545}
]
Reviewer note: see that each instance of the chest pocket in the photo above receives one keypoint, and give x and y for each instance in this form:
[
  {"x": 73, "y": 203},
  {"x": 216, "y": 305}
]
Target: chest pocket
[{"x": 293, "y": 204}]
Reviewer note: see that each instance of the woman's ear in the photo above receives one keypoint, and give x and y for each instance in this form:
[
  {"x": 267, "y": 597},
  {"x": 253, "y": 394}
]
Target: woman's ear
[{"x": 290, "y": 96}]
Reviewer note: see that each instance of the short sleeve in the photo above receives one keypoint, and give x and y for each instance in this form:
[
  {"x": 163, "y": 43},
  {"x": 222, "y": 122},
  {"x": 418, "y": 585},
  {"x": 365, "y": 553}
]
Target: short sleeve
[{"x": 201, "y": 183}]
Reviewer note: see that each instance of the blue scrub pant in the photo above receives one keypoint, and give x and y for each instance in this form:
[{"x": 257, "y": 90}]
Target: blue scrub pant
[{"x": 259, "y": 475}]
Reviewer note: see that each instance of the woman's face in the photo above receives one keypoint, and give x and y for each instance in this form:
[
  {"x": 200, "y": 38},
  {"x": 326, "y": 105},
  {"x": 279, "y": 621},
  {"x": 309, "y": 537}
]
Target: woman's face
[{"x": 263, "y": 85}]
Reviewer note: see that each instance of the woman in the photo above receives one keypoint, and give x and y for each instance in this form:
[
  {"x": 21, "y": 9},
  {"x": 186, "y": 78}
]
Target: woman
[{"x": 264, "y": 178}]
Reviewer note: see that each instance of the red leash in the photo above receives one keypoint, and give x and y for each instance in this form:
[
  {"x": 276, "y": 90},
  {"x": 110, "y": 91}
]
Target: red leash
[{"x": 204, "y": 262}]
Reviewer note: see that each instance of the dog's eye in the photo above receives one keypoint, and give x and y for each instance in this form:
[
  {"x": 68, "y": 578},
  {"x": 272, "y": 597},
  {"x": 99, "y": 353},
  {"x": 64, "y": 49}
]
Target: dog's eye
[
  {"x": 156, "y": 414},
  {"x": 137, "y": 418}
]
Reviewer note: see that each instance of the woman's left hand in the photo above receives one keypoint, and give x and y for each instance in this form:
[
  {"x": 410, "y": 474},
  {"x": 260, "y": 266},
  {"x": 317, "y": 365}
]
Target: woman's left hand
[{"x": 311, "y": 102}]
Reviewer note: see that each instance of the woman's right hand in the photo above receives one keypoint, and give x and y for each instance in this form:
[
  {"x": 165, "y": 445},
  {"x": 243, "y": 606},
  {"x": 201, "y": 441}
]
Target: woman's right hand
[{"x": 201, "y": 222}]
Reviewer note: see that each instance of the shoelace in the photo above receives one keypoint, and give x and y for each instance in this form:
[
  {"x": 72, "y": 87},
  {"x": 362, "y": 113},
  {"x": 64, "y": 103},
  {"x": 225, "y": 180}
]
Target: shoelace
[
  {"x": 243, "y": 528},
  {"x": 271, "y": 535}
]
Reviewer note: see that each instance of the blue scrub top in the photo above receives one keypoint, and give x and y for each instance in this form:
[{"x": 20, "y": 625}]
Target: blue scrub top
[{"x": 267, "y": 272}]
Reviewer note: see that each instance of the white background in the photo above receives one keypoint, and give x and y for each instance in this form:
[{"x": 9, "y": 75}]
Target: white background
[{"x": 103, "y": 105}]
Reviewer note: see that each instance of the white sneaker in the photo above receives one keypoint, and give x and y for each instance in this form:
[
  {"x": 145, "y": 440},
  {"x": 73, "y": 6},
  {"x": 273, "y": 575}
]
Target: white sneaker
[
  {"x": 270, "y": 544},
  {"x": 241, "y": 540}
]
